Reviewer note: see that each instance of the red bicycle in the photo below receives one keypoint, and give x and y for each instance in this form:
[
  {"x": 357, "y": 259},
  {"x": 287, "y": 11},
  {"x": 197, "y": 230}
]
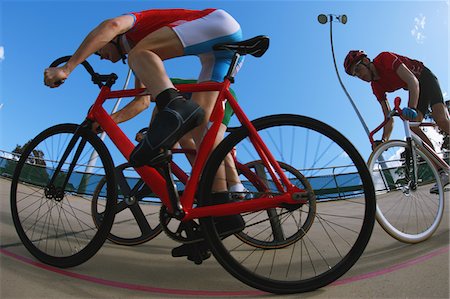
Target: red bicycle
[
  {"x": 140, "y": 217},
  {"x": 51, "y": 192}
]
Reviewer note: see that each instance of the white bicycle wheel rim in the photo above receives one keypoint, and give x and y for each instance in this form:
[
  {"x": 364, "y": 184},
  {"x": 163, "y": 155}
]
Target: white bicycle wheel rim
[{"x": 382, "y": 220}]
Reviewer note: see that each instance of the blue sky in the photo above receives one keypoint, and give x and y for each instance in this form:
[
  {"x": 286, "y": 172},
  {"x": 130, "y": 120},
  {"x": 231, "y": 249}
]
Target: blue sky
[{"x": 296, "y": 75}]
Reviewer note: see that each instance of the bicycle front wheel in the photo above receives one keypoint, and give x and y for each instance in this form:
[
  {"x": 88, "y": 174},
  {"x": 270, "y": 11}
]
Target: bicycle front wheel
[
  {"x": 405, "y": 207},
  {"x": 334, "y": 225},
  {"x": 51, "y": 209}
]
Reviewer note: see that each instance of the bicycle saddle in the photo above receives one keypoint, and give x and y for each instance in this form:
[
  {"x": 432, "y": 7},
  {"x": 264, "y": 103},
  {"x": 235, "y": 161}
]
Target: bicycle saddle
[{"x": 255, "y": 46}]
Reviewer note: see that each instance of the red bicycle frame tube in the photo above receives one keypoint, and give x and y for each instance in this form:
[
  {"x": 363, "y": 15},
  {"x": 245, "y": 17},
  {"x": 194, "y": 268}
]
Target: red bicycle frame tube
[
  {"x": 157, "y": 183},
  {"x": 397, "y": 109}
]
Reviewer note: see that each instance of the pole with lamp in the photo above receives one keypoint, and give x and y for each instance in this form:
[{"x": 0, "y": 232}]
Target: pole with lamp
[
  {"x": 323, "y": 19},
  {"x": 330, "y": 18}
]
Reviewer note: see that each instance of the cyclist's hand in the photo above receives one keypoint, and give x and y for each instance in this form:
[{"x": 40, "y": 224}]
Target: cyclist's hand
[
  {"x": 54, "y": 76},
  {"x": 409, "y": 113}
]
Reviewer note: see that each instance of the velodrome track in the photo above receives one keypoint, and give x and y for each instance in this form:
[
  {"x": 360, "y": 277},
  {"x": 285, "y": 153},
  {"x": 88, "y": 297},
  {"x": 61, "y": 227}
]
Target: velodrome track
[{"x": 387, "y": 269}]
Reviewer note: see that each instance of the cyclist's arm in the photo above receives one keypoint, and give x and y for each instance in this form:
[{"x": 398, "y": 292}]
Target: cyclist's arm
[
  {"x": 98, "y": 38},
  {"x": 133, "y": 108},
  {"x": 413, "y": 85},
  {"x": 387, "y": 130}
]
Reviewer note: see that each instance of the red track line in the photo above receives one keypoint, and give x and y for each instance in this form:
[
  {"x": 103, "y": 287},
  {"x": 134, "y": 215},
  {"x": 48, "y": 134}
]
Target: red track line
[
  {"x": 128, "y": 286},
  {"x": 392, "y": 268},
  {"x": 165, "y": 291}
]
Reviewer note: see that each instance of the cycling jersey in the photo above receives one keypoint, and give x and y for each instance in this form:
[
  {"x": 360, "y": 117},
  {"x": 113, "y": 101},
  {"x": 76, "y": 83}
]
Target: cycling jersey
[
  {"x": 387, "y": 64},
  {"x": 198, "y": 31}
]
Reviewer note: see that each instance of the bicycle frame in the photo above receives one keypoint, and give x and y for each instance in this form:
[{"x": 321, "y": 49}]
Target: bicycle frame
[
  {"x": 156, "y": 181},
  {"x": 410, "y": 135}
]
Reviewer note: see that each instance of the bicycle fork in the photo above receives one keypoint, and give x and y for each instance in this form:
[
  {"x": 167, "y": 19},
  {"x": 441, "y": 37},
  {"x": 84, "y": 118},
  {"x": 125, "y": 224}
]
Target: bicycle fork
[
  {"x": 410, "y": 160},
  {"x": 57, "y": 193}
]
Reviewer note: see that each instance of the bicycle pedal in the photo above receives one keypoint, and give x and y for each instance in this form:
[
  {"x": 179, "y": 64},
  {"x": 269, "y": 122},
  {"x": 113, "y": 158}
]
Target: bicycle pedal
[{"x": 195, "y": 252}]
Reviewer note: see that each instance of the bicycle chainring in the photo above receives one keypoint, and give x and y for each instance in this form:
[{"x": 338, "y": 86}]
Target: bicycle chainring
[{"x": 184, "y": 232}]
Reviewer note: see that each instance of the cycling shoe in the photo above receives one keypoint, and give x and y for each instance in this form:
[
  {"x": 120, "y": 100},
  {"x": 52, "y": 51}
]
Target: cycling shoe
[
  {"x": 195, "y": 252},
  {"x": 177, "y": 118}
]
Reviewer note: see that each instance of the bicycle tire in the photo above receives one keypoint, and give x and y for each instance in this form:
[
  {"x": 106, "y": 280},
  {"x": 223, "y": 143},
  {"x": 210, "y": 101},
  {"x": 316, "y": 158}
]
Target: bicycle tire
[
  {"x": 133, "y": 224},
  {"x": 272, "y": 270},
  {"x": 278, "y": 238},
  {"x": 410, "y": 215},
  {"x": 58, "y": 230}
]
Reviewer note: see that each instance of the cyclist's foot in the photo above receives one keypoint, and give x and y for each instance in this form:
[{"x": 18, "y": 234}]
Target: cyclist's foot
[
  {"x": 444, "y": 180},
  {"x": 195, "y": 252},
  {"x": 241, "y": 195},
  {"x": 173, "y": 120},
  {"x": 227, "y": 225}
]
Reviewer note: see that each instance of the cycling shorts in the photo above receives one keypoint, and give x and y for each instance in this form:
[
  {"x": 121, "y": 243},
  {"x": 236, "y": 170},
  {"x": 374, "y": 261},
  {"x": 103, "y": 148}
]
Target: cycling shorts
[
  {"x": 228, "y": 110},
  {"x": 198, "y": 31},
  {"x": 199, "y": 36},
  {"x": 430, "y": 92}
]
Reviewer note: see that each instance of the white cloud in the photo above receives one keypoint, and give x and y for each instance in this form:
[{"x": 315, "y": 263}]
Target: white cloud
[
  {"x": 435, "y": 138},
  {"x": 419, "y": 27},
  {"x": 1, "y": 106},
  {"x": 2, "y": 53}
]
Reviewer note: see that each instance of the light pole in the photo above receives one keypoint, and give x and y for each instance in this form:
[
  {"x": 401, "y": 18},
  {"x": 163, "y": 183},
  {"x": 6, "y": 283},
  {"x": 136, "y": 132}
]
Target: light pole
[{"x": 323, "y": 19}]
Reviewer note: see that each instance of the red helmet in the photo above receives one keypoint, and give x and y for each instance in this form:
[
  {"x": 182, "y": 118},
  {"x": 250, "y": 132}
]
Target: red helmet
[{"x": 353, "y": 57}]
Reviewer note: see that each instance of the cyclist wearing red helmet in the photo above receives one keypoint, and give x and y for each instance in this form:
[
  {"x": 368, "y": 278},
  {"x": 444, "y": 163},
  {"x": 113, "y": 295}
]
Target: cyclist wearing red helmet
[{"x": 389, "y": 72}]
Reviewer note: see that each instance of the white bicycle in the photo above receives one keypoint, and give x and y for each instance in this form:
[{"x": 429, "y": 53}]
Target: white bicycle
[{"x": 410, "y": 194}]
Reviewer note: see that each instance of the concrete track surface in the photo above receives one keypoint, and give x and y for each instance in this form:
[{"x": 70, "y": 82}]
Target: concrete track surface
[{"x": 387, "y": 269}]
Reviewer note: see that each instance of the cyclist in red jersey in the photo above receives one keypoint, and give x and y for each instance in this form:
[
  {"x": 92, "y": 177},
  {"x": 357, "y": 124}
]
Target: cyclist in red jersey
[
  {"x": 389, "y": 72},
  {"x": 148, "y": 38}
]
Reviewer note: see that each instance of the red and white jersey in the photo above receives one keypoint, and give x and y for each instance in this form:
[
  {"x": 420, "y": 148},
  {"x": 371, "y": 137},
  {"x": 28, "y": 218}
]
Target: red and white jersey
[{"x": 151, "y": 20}]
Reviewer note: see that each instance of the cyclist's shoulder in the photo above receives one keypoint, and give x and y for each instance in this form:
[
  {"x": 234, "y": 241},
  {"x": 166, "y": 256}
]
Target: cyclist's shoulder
[{"x": 386, "y": 55}]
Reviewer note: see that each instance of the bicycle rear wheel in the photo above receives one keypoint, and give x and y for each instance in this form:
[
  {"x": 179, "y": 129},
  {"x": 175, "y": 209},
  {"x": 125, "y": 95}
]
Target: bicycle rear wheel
[
  {"x": 137, "y": 212},
  {"x": 279, "y": 235},
  {"x": 344, "y": 213},
  {"x": 51, "y": 210},
  {"x": 408, "y": 212}
]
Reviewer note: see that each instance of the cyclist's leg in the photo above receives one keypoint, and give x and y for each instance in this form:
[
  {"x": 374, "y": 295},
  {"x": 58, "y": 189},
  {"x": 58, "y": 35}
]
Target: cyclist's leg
[
  {"x": 418, "y": 131},
  {"x": 207, "y": 101},
  {"x": 187, "y": 143},
  {"x": 146, "y": 59},
  {"x": 441, "y": 117},
  {"x": 177, "y": 116}
]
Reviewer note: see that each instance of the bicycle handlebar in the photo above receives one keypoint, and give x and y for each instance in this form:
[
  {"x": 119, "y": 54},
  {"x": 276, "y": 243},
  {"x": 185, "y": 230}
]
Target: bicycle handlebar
[
  {"x": 96, "y": 77},
  {"x": 397, "y": 111}
]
